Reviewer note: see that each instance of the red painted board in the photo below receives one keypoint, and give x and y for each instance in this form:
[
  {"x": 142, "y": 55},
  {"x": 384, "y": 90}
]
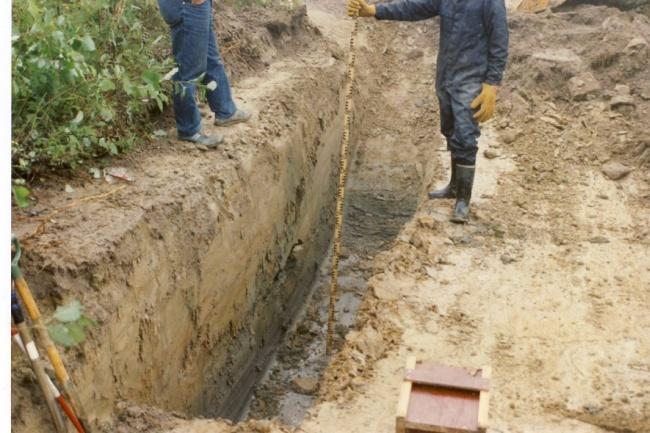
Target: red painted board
[
  {"x": 448, "y": 377},
  {"x": 442, "y": 410}
]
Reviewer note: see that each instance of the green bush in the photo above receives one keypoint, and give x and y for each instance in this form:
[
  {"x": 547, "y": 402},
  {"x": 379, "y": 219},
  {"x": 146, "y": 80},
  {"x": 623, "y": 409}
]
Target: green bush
[{"x": 86, "y": 74}]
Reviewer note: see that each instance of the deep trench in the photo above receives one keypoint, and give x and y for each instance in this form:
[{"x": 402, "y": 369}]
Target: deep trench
[
  {"x": 382, "y": 194},
  {"x": 379, "y": 200},
  {"x": 248, "y": 369}
]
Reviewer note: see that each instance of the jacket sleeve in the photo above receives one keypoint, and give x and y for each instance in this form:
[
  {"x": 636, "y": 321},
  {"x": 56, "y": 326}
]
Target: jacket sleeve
[
  {"x": 408, "y": 10},
  {"x": 496, "y": 23}
]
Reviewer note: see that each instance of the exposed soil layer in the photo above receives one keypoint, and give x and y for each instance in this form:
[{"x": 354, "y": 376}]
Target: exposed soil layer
[
  {"x": 198, "y": 265},
  {"x": 549, "y": 284}
]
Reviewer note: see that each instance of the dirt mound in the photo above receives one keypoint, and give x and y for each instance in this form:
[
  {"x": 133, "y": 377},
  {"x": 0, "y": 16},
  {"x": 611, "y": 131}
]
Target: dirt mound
[
  {"x": 251, "y": 40},
  {"x": 582, "y": 79}
]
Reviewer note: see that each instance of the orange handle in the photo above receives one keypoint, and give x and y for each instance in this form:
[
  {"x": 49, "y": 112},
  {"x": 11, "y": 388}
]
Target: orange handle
[
  {"x": 70, "y": 413},
  {"x": 28, "y": 299},
  {"x": 59, "y": 368}
]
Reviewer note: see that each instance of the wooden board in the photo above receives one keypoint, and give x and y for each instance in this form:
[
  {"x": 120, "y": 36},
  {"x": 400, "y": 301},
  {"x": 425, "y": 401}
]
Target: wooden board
[
  {"x": 447, "y": 377},
  {"x": 442, "y": 410},
  {"x": 441, "y": 399},
  {"x": 404, "y": 398},
  {"x": 484, "y": 403}
]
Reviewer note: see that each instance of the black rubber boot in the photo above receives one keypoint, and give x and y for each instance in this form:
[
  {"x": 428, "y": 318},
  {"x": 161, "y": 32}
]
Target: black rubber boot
[
  {"x": 450, "y": 190},
  {"x": 464, "y": 184}
]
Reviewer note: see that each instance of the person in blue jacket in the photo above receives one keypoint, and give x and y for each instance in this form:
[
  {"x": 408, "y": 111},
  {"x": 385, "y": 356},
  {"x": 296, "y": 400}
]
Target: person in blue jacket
[
  {"x": 472, "y": 57},
  {"x": 197, "y": 56}
]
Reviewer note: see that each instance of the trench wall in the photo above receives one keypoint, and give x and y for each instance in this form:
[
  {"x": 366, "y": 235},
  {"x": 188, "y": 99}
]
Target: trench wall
[{"x": 202, "y": 278}]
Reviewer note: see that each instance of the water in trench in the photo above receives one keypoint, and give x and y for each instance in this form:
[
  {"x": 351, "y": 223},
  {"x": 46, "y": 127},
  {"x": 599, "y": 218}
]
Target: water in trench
[{"x": 380, "y": 198}]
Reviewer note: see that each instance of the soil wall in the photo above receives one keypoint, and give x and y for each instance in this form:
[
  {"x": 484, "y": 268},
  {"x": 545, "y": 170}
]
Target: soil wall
[{"x": 194, "y": 270}]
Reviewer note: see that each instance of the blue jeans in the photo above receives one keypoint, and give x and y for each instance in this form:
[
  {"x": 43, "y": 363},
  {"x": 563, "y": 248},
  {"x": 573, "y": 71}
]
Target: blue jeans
[
  {"x": 457, "y": 121},
  {"x": 196, "y": 53}
]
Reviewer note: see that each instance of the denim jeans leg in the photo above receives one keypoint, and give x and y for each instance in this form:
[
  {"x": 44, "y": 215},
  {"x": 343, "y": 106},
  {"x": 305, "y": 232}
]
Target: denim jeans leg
[
  {"x": 190, "y": 47},
  {"x": 220, "y": 99},
  {"x": 171, "y": 11}
]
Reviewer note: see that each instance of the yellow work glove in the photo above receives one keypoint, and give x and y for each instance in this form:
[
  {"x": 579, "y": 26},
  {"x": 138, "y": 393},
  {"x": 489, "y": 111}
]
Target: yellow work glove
[
  {"x": 487, "y": 100},
  {"x": 361, "y": 8}
]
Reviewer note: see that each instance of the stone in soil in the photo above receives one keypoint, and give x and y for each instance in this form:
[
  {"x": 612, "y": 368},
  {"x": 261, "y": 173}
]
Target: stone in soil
[
  {"x": 305, "y": 385},
  {"x": 615, "y": 170},
  {"x": 583, "y": 86},
  {"x": 491, "y": 153}
]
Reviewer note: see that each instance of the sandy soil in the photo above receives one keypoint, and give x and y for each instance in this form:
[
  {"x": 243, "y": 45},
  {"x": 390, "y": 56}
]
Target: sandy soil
[{"x": 549, "y": 284}]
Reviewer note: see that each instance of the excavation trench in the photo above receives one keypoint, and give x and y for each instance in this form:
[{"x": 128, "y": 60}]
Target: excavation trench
[
  {"x": 382, "y": 194},
  {"x": 380, "y": 199},
  {"x": 210, "y": 277}
]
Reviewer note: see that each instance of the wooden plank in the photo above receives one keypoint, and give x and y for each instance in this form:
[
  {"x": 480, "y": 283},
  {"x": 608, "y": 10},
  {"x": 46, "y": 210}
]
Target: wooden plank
[
  {"x": 442, "y": 410},
  {"x": 448, "y": 377},
  {"x": 484, "y": 403},
  {"x": 404, "y": 397}
]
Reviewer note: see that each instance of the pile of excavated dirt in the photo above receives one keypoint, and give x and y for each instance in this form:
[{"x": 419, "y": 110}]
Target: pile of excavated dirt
[
  {"x": 581, "y": 78},
  {"x": 250, "y": 40}
]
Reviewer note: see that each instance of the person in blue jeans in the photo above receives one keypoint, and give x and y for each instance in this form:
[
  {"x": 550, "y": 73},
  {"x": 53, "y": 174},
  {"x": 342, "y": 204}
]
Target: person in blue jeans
[
  {"x": 197, "y": 55},
  {"x": 472, "y": 57}
]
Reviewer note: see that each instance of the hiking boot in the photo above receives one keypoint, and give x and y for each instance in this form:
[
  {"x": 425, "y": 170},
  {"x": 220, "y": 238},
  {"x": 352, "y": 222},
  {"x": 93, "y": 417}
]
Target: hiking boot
[
  {"x": 464, "y": 183},
  {"x": 240, "y": 116},
  {"x": 209, "y": 141},
  {"x": 450, "y": 190}
]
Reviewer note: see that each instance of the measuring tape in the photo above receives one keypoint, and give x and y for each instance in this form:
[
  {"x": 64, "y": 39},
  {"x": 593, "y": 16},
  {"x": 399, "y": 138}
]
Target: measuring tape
[{"x": 340, "y": 197}]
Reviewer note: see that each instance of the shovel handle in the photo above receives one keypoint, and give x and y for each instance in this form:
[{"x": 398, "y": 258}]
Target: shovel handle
[{"x": 60, "y": 371}]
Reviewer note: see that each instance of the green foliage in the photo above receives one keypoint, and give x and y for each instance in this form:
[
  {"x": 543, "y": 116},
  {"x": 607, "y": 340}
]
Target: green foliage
[
  {"x": 85, "y": 76},
  {"x": 68, "y": 324},
  {"x": 21, "y": 196}
]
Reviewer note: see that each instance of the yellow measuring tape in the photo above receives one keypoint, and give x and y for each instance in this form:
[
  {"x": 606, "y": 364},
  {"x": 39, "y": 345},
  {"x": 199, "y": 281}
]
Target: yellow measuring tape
[{"x": 340, "y": 197}]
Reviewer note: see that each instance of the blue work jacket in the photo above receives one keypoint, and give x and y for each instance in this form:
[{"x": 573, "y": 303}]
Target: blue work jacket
[{"x": 473, "y": 37}]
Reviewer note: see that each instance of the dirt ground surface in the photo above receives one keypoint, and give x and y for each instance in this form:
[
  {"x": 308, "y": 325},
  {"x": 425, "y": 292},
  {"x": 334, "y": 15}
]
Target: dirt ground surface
[{"x": 550, "y": 282}]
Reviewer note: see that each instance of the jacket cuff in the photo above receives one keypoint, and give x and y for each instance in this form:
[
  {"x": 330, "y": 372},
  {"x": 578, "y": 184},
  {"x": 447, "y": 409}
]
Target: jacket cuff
[
  {"x": 380, "y": 12},
  {"x": 493, "y": 80}
]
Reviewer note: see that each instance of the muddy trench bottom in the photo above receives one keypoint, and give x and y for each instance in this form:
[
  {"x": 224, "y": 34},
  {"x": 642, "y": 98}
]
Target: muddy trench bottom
[{"x": 379, "y": 201}]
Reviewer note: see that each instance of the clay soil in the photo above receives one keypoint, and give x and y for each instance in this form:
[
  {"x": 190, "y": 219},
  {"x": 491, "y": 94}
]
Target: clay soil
[{"x": 550, "y": 282}]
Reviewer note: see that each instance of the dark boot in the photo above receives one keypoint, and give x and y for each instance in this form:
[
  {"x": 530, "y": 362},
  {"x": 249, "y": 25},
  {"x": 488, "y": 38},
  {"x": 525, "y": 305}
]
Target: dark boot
[
  {"x": 464, "y": 183},
  {"x": 450, "y": 190}
]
